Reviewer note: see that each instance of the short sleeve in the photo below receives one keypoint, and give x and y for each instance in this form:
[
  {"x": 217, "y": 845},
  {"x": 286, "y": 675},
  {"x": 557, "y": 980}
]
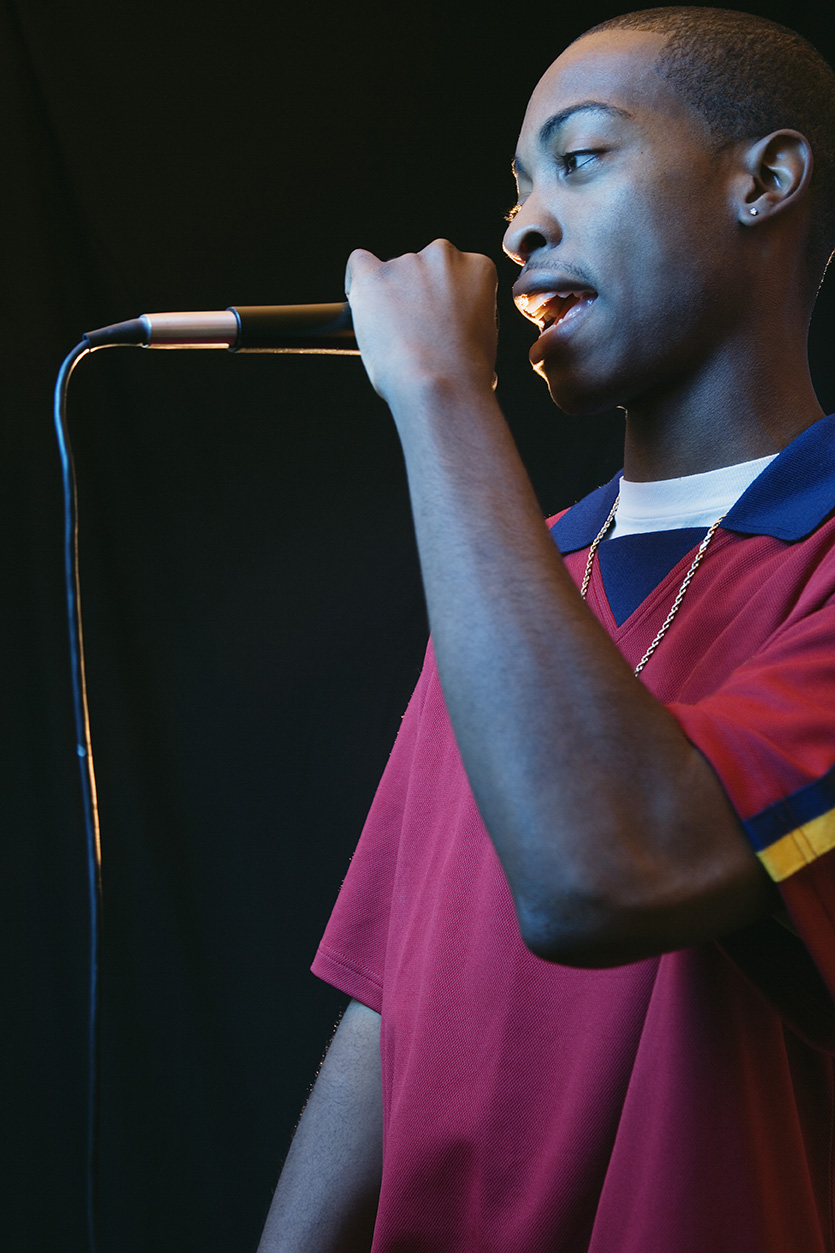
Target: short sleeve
[
  {"x": 769, "y": 733},
  {"x": 351, "y": 955}
]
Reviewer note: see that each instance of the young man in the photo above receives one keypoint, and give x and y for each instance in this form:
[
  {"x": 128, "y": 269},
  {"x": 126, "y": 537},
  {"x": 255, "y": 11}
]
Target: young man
[{"x": 594, "y": 911}]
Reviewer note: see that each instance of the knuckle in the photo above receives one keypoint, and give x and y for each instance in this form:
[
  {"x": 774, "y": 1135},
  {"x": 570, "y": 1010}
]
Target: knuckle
[{"x": 440, "y": 245}]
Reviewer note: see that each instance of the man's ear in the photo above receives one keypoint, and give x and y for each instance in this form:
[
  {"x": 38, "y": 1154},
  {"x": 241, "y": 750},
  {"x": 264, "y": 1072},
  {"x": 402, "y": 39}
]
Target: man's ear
[{"x": 777, "y": 173}]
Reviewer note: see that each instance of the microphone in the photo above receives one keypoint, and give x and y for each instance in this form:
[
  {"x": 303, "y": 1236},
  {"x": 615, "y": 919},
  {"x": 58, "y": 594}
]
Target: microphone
[{"x": 242, "y": 328}]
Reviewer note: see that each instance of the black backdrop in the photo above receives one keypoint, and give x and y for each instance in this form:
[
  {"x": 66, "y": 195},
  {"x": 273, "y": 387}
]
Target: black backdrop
[{"x": 254, "y": 620}]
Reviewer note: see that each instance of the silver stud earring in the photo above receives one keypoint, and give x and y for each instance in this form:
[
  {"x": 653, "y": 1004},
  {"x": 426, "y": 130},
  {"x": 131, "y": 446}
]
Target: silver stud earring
[{"x": 753, "y": 211}]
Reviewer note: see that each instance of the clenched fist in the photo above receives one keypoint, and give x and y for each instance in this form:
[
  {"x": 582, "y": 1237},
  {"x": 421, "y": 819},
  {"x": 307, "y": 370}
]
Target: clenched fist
[{"x": 426, "y": 317}]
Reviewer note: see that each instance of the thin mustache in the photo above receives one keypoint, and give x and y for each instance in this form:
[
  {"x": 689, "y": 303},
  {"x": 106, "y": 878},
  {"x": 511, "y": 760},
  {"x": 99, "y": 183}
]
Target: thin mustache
[{"x": 563, "y": 275}]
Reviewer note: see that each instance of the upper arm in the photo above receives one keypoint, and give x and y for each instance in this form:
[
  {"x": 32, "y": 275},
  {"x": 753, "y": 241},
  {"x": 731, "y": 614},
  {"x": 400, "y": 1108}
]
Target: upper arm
[{"x": 326, "y": 1198}]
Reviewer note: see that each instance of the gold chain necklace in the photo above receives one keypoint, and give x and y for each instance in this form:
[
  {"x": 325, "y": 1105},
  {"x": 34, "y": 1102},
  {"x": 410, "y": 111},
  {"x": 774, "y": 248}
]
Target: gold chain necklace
[{"x": 665, "y": 626}]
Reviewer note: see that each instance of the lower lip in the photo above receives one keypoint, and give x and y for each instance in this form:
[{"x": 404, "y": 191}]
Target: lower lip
[{"x": 560, "y": 331}]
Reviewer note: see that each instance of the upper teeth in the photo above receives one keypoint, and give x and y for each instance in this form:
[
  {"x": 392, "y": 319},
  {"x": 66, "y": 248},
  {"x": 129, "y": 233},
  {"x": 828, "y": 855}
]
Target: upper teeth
[{"x": 534, "y": 306}]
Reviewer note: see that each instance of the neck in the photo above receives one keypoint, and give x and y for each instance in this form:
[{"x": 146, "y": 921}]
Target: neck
[{"x": 749, "y": 401}]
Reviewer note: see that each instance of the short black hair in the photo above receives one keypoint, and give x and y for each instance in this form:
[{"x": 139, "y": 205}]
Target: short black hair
[{"x": 748, "y": 76}]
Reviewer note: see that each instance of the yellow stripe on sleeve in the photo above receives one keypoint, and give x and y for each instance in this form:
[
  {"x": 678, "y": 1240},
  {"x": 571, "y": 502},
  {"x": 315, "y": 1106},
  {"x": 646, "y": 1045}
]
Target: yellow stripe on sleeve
[{"x": 800, "y": 847}]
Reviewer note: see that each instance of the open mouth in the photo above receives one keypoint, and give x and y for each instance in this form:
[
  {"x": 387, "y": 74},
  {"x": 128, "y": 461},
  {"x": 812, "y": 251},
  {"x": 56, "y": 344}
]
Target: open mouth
[{"x": 547, "y": 308}]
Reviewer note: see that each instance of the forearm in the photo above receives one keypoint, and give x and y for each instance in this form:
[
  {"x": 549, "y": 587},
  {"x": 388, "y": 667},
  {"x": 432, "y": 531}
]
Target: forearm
[
  {"x": 326, "y": 1198},
  {"x": 588, "y": 787}
]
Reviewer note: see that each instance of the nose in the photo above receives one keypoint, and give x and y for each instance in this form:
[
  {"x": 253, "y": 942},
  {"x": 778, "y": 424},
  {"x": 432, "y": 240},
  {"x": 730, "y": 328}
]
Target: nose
[{"x": 534, "y": 226}]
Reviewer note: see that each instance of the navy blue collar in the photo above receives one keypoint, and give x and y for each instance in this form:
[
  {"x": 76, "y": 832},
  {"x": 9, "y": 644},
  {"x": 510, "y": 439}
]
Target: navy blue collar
[{"x": 788, "y": 500}]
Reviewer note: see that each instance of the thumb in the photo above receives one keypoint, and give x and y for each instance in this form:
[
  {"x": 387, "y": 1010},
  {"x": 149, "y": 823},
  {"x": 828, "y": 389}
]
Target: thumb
[{"x": 359, "y": 262}]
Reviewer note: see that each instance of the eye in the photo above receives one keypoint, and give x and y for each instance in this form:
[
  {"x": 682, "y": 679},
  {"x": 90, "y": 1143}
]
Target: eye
[{"x": 571, "y": 162}]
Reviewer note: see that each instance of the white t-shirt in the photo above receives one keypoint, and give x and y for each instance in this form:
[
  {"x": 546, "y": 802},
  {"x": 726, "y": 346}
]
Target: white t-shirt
[{"x": 671, "y": 504}]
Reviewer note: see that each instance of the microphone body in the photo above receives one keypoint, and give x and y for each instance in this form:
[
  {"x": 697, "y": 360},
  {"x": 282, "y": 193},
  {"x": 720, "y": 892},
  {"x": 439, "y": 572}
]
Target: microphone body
[{"x": 243, "y": 328}]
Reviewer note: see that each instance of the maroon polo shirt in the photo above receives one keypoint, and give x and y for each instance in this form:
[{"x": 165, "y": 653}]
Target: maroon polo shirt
[{"x": 675, "y": 1105}]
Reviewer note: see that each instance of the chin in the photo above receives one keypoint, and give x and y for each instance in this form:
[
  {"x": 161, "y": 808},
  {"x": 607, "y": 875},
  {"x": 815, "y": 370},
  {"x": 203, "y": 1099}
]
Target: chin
[{"x": 581, "y": 398}]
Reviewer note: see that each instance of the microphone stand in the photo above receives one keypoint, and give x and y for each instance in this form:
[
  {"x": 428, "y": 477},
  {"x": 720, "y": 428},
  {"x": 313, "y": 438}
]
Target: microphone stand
[{"x": 316, "y": 329}]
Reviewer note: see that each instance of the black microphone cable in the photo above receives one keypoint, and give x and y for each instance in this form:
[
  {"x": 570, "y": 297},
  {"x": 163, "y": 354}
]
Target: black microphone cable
[
  {"x": 84, "y": 751},
  {"x": 246, "y": 328}
]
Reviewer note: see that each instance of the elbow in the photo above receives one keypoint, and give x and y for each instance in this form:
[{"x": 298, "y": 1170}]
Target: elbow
[
  {"x": 593, "y": 902},
  {"x": 571, "y": 935},
  {"x": 585, "y": 926}
]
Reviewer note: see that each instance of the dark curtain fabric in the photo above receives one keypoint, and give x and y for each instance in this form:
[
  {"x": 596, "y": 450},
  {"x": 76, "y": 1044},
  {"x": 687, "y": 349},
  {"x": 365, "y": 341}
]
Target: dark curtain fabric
[{"x": 253, "y": 612}]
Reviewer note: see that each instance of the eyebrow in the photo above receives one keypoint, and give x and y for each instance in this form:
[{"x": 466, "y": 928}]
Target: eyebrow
[{"x": 557, "y": 120}]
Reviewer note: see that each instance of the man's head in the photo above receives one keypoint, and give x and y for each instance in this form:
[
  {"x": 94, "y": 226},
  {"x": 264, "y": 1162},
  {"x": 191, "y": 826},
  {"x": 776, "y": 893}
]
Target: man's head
[
  {"x": 747, "y": 76},
  {"x": 666, "y": 176}
]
